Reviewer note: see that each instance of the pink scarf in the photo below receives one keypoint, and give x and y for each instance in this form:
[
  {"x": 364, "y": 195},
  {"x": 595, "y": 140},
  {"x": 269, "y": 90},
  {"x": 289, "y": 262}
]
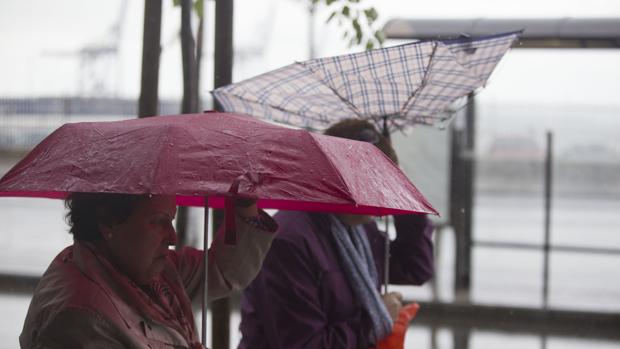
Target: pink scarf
[{"x": 163, "y": 300}]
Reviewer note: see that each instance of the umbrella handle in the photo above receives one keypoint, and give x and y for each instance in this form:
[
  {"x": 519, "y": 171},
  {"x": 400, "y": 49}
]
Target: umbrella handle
[
  {"x": 230, "y": 233},
  {"x": 231, "y": 201}
]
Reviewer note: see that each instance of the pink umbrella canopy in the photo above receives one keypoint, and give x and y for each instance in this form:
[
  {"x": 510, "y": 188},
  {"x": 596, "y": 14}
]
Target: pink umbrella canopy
[{"x": 201, "y": 155}]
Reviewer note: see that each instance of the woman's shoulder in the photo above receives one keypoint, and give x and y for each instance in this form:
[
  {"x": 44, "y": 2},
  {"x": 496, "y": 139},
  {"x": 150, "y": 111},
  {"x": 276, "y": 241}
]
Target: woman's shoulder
[
  {"x": 62, "y": 290},
  {"x": 65, "y": 285},
  {"x": 72, "y": 327},
  {"x": 305, "y": 233},
  {"x": 299, "y": 225}
]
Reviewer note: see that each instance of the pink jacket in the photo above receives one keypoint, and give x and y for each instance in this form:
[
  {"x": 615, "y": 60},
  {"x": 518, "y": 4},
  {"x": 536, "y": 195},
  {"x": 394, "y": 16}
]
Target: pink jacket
[{"x": 83, "y": 302}]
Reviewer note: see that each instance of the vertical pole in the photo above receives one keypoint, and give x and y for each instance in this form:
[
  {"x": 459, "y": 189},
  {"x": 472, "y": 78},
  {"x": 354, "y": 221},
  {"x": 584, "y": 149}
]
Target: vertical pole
[
  {"x": 222, "y": 75},
  {"x": 461, "y": 338},
  {"x": 462, "y": 198},
  {"x": 220, "y": 308},
  {"x": 386, "y": 265},
  {"x": 189, "y": 103},
  {"x": 548, "y": 188},
  {"x": 434, "y": 335},
  {"x": 223, "y": 60},
  {"x": 149, "y": 81},
  {"x": 205, "y": 291}
]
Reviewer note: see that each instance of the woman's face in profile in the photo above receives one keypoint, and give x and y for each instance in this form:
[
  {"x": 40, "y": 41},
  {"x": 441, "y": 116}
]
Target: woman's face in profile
[{"x": 139, "y": 245}]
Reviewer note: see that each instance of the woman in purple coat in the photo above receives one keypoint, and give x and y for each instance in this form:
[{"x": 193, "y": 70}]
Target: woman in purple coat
[{"x": 319, "y": 284}]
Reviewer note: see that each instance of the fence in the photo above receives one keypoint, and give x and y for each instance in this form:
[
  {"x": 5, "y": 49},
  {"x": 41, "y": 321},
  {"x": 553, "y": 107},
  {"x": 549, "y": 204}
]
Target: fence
[{"x": 26, "y": 121}]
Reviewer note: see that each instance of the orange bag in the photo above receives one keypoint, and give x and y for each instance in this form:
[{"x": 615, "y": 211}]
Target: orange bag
[{"x": 396, "y": 340}]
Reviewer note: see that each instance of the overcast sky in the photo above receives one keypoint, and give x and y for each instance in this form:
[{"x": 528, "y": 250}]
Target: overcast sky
[{"x": 39, "y": 39}]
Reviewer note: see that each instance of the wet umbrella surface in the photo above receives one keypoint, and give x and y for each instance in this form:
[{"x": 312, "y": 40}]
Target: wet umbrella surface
[{"x": 200, "y": 155}]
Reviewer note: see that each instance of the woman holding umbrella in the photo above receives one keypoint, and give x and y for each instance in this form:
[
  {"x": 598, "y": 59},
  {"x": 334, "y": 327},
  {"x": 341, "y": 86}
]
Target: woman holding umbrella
[
  {"x": 120, "y": 286},
  {"x": 319, "y": 285}
]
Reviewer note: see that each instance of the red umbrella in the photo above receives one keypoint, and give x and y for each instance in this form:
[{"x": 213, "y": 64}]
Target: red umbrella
[{"x": 200, "y": 155}]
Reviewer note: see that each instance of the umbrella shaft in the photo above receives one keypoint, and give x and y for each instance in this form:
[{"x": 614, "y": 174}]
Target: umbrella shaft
[
  {"x": 206, "y": 241},
  {"x": 386, "y": 264}
]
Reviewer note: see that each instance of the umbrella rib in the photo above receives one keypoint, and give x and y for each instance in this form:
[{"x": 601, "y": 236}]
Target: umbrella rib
[
  {"x": 270, "y": 105},
  {"x": 329, "y": 161},
  {"x": 411, "y": 101},
  {"x": 342, "y": 99},
  {"x": 163, "y": 149}
]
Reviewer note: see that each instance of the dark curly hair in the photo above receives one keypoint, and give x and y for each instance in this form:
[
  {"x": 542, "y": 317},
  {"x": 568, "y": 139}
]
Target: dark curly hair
[
  {"x": 362, "y": 130},
  {"x": 87, "y": 210}
]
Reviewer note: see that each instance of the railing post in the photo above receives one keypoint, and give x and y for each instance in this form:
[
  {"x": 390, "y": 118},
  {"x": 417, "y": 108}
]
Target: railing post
[
  {"x": 547, "y": 202},
  {"x": 461, "y": 199}
]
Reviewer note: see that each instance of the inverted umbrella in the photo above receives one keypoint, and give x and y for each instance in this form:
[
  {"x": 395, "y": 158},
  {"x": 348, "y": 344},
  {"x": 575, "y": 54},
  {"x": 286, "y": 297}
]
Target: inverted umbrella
[
  {"x": 395, "y": 87},
  {"x": 198, "y": 156}
]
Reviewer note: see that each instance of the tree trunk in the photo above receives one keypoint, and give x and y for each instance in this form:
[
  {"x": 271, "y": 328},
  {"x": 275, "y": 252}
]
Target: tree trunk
[
  {"x": 149, "y": 82},
  {"x": 223, "y": 60},
  {"x": 188, "y": 56},
  {"x": 199, "y": 42}
]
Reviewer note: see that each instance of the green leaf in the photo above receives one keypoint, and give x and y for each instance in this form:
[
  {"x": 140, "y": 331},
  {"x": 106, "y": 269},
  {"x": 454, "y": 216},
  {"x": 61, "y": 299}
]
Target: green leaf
[
  {"x": 356, "y": 25},
  {"x": 380, "y": 36},
  {"x": 355, "y": 30},
  {"x": 176, "y": 2},
  {"x": 358, "y": 31},
  {"x": 199, "y": 7},
  {"x": 371, "y": 15},
  {"x": 346, "y": 11}
]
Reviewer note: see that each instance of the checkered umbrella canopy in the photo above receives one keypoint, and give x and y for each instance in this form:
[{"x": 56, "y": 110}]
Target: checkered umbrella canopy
[{"x": 395, "y": 87}]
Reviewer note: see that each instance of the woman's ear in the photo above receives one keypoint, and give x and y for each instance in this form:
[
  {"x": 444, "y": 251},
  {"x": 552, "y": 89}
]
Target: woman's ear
[
  {"x": 107, "y": 230},
  {"x": 106, "y": 227}
]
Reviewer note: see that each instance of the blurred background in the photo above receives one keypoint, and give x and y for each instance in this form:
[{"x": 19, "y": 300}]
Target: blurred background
[{"x": 528, "y": 255}]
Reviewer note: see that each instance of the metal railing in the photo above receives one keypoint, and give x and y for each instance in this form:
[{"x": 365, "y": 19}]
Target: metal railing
[
  {"x": 547, "y": 247},
  {"x": 26, "y": 121}
]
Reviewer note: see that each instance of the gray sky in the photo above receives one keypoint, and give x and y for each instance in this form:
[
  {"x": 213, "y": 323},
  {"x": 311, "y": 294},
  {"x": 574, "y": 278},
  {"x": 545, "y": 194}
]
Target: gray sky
[{"x": 34, "y": 35}]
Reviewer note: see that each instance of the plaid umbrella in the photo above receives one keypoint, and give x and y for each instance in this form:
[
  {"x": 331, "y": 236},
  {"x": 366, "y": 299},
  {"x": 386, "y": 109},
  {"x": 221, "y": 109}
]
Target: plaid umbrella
[{"x": 395, "y": 87}]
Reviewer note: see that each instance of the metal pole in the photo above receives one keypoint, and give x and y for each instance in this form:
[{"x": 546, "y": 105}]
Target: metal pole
[
  {"x": 386, "y": 264},
  {"x": 548, "y": 188},
  {"x": 462, "y": 199},
  {"x": 205, "y": 305}
]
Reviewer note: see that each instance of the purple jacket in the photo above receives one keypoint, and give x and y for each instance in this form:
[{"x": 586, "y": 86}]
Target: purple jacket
[{"x": 302, "y": 299}]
